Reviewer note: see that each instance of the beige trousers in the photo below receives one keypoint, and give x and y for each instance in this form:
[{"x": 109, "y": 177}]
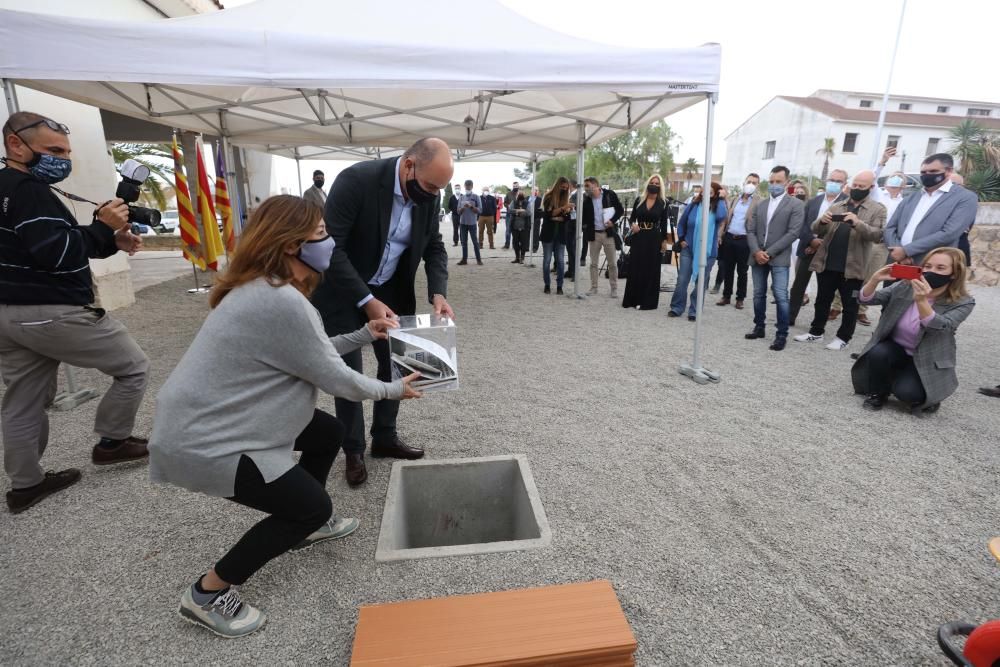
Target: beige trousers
[{"x": 607, "y": 243}]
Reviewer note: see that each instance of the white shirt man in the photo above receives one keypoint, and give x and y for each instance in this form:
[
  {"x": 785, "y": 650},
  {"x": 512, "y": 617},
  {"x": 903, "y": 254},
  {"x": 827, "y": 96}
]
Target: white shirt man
[{"x": 923, "y": 205}]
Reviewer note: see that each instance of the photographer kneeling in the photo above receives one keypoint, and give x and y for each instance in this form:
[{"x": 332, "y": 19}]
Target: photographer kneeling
[
  {"x": 243, "y": 397},
  {"x": 46, "y": 312},
  {"x": 912, "y": 352}
]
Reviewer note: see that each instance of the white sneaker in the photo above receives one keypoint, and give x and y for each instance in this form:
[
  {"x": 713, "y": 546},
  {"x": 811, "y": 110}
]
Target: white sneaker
[
  {"x": 614, "y": 294},
  {"x": 227, "y": 615},
  {"x": 592, "y": 291},
  {"x": 331, "y": 530},
  {"x": 809, "y": 338},
  {"x": 837, "y": 345}
]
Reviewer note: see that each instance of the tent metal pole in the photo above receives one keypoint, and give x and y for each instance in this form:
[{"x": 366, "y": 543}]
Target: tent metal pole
[
  {"x": 10, "y": 95},
  {"x": 298, "y": 170},
  {"x": 532, "y": 236},
  {"x": 236, "y": 197},
  {"x": 695, "y": 370},
  {"x": 575, "y": 255}
]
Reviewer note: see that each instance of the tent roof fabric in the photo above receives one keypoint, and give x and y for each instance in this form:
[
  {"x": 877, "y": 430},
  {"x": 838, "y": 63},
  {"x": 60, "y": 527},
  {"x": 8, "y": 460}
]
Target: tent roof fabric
[{"x": 309, "y": 79}]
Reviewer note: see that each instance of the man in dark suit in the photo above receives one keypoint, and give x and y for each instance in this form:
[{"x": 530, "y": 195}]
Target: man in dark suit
[
  {"x": 774, "y": 226},
  {"x": 383, "y": 215},
  {"x": 808, "y": 243},
  {"x": 453, "y": 209}
]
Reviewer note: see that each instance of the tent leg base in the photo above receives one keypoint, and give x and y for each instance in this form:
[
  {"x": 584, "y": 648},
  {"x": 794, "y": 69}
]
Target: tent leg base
[
  {"x": 68, "y": 400},
  {"x": 699, "y": 374},
  {"x": 199, "y": 290}
]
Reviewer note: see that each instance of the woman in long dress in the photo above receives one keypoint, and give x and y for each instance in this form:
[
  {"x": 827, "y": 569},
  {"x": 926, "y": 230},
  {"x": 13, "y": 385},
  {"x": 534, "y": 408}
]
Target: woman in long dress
[{"x": 648, "y": 232}]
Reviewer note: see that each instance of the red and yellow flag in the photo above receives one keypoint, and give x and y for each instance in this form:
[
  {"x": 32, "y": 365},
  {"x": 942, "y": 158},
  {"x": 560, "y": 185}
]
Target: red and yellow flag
[
  {"x": 190, "y": 238},
  {"x": 213, "y": 240},
  {"x": 222, "y": 204}
]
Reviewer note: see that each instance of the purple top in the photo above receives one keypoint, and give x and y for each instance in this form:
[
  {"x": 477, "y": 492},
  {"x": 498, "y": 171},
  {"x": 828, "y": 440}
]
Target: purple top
[{"x": 907, "y": 330}]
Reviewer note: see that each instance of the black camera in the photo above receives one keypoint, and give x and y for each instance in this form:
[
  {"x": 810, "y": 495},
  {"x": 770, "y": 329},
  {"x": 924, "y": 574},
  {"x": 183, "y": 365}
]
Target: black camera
[{"x": 134, "y": 175}]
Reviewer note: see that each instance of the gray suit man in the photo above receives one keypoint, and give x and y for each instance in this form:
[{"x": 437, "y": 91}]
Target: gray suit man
[
  {"x": 315, "y": 193},
  {"x": 774, "y": 225},
  {"x": 933, "y": 218}
]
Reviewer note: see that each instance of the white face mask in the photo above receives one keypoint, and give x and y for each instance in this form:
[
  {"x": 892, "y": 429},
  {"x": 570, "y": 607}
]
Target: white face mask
[{"x": 749, "y": 188}]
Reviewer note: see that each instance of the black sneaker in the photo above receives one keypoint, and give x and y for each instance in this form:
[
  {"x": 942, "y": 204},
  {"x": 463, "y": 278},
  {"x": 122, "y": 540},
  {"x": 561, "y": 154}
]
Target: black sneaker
[
  {"x": 19, "y": 500},
  {"x": 874, "y": 401},
  {"x": 559, "y": 290},
  {"x": 778, "y": 344},
  {"x": 547, "y": 290},
  {"x": 758, "y": 332}
]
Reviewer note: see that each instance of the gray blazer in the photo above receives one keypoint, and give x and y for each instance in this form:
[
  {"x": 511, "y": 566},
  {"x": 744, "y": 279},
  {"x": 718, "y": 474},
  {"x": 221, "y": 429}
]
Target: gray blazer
[
  {"x": 784, "y": 230},
  {"x": 315, "y": 195},
  {"x": 935, "y": 353},
  {"x": 945, "y": 221}
]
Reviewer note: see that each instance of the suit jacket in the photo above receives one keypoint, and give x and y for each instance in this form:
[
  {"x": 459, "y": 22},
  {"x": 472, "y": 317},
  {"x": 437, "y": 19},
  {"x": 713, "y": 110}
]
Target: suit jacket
[
  {"x": 724, "y": 227},
  {"x": 357, "y": 217},
  {"x": 806, "y": 235},
  {"x": 784, "y": 229},
  {"x": 609, "y": 199},
  {"x": 951, "y": 215},
  {"x": 934, "y": 356},
  {"x": 315, "y": 195}
]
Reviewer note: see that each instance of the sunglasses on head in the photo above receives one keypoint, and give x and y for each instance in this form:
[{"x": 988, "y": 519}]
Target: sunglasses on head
[{"x": 51, "y": 124}]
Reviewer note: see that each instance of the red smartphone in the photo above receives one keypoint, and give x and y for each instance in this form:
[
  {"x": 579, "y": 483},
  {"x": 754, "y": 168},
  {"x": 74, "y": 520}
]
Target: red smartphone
[{"x": 906, "y": 271}]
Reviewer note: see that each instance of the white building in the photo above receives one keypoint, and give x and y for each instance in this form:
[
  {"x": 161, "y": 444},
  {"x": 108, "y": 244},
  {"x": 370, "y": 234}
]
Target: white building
[{"x": 790, "y": 130}]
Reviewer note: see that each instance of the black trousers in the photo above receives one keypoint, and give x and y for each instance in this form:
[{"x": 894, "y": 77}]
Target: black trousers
[
  {"x": 965, "y": 247},
  {"x": 831, "y": 282},
  {"x": 297, "y": 502},
  {"x": 798, "y": 290},
  {"x": 734, "y": 258},
  {"x": 454, "y": 229},
  {"x": 892, "y": 371},
  {"x": 519, "y": 240}
]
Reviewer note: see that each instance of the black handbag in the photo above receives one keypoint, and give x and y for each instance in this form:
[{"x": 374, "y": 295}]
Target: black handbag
[{"x": 623, "y": 262}]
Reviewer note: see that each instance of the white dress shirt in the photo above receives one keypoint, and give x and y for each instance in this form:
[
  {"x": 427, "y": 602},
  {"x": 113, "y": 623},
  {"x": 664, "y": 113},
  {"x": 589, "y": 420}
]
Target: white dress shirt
[
  {"x": 825, "y": 203},
  {"x": 923, "y": 205},
  {"x": 884, "y": 197},
  {"x": 772, "y": 206},
  {"x": 400, "y": 229}
]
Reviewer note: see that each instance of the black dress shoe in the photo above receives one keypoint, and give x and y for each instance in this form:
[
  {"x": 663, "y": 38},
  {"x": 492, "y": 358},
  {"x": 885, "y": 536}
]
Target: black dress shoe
[
  {"x": 874, "y": 401},
  {"x": 758, "y": 332},
  {"x": 463, "y": 262},
  {"x": 19, "y": 500},
  {"x": 990, "y": 391},
  {"x": 396, "y": 449},
  {"x": 691, "y": 318},
  {"x": 779, "y": 343},
  {"x": 547, "y": 290},
  {"x": 355, "y": 473},
  {"x": 671, "y": 313},
  {"x": 918, "y": 410},
  {"x": 855, "y": 355}
]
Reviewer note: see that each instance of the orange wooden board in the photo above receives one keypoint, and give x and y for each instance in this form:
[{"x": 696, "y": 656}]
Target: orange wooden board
[
  {"x": 995, "y": 547},
  {"x": 571, "y": 624}
]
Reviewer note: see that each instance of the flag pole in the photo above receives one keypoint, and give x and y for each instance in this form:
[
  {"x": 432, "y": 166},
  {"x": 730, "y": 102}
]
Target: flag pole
[{"x": 876, "y": 151}]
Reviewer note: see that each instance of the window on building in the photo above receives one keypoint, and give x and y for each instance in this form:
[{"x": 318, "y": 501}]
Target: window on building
[
  {"x": 932, "y": 146},
  {"x": 866, "y": 104},
  {"x": 979, "y": 112},
  {"x": 893, "y": 141},
  {"x": 904, "y": 106},
  {"x": 942, "y": 110},
  {"x": 769, "y": 150},
  {"x": 850, "y": 142}
]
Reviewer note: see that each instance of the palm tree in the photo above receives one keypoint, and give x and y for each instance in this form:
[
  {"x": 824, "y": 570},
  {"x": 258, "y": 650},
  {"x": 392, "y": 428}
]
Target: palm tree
[
  {"x": 827, "y": 153},
  {"x": 985, "y": 183},
  {"x": 967, "y": 137},
  {"x": 690, "y": 169},
  {"x": 155, "y": 156}
]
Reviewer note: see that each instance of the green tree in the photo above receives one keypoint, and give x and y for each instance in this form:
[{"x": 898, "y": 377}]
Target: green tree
[
  {"x": 159, "y": 158},
  {"x": 690, "y": 169},
  {"x": 967, "y": 138},
  {"x": 827, "y": 152}
]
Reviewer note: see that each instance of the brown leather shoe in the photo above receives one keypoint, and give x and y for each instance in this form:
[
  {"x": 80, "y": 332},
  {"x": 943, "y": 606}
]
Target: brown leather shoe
[
  {"x": 863, "y": 320},
  {"x": 724, "y": 301},
  {"x": 129, "y": 449},
  {"x": 834, "y": 314},
  {"x": 739, "y": 304},
  {"x": 355, "y": 473},
  {"x": 396, "y": 449}
]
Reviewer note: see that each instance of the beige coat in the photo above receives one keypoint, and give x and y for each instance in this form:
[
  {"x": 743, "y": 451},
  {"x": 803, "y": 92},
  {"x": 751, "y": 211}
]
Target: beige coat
[{"x": 861, "y": 243}]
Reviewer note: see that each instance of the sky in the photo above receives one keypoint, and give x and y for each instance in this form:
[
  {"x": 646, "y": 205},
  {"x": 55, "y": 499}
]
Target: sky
[{"x": 947, "y": 50}]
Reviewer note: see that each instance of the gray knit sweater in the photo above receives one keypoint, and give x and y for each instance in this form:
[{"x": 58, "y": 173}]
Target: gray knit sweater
[{"x": 248, "y": 385}]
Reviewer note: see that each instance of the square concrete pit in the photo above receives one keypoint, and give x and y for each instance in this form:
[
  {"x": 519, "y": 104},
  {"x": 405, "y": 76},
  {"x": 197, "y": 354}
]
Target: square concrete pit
[{"x": 461, "y": 507}]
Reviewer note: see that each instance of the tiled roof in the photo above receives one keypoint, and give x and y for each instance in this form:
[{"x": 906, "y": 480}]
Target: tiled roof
[{"x": 891, "y": 117}]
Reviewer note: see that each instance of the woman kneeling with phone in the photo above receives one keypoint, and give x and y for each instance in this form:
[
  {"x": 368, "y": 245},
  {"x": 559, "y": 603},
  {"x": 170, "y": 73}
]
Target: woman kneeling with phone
[
  {"x": 243, "y": 397},
  {"x": 912, "y": 352}
]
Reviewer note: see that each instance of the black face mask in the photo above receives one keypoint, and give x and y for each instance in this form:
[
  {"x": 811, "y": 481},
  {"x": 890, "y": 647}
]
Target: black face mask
[
  {"x": 417, "y": 194},
  {"x": 318, "y": 182},
  {"x": 802, "y": 197},
  {"x": 930, "y": 180},
  {"x": 936, "y": 280},
  {"x": 653, "y": 189},
  {"x": 857, "y": 194}
]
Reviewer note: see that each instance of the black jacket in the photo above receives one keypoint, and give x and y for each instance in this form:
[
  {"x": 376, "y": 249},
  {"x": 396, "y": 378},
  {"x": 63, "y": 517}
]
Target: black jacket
[
  {"x": 812, "y": 213},
  {"x": 609, "y": 199},
  {"x": 553, "y": 230},
  {"x": 357, "y": 215},
  {"x": 489, "y": 206},
  {"x": 44, "y": 253},
  {"x": 453, "y": 204}
]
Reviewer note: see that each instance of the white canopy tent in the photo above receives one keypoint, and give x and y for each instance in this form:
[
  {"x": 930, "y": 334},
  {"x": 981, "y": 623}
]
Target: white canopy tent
[{"x": 312, "y": 79}]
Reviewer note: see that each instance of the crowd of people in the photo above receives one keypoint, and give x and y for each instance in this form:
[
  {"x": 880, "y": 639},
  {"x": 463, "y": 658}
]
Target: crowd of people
[{"x": 332, "y": 273}]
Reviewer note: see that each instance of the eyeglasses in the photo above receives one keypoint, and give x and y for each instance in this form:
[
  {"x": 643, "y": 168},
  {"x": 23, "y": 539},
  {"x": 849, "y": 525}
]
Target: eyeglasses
[{"x": 51, "y": 124}]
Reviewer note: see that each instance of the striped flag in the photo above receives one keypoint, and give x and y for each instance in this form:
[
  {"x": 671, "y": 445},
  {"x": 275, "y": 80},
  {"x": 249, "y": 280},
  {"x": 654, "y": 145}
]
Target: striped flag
[
  {"x": 213, "y": 240},
  {"x": 190, "y": 238},
  {"x": 222, "y": 204}
]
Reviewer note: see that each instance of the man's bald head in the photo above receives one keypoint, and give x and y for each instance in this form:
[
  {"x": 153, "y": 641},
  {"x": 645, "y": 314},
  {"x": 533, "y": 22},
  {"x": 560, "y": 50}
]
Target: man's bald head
[
  {"x": 429, "y": 162},
  {"x": 863, "y": 179}
]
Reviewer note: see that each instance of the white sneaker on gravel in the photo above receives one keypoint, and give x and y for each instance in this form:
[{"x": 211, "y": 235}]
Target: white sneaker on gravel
[
  {"x": 614, "y": 294},
  {"x": 333, "y": 529},
  {"x": 227, "y": 615},
  {"x": 837, "y": 345},
  {"x": 809, "y": 338},
  {"x": 592, "y": 291}
]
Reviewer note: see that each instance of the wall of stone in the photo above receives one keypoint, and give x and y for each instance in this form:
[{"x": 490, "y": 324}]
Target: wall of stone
[{"x": 985, "y": 241}]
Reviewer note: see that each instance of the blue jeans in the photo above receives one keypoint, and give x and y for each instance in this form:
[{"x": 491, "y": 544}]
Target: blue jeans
[
  {"x": 685, "y": 278},
  {"x": 548, "y": 250},
  {"x": 467, "y": 231},
  {"x": 507, "y": 233},
  {"x": 779, "y": 288}
]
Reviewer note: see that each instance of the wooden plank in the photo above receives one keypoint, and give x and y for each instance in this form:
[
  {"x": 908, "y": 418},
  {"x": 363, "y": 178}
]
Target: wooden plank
[{"x": 525, "y": 627}]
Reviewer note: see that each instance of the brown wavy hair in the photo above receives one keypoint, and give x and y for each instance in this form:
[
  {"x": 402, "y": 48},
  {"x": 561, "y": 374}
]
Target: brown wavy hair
[
  {"x": 555, "y": 197},
  {"x": 281, "y": 221},
  {"x": 956, "y": 288}
]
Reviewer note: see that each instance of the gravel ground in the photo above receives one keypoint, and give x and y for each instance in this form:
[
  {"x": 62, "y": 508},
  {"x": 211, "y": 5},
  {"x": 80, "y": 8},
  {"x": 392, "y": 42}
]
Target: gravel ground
[{"x": 764, "y": 520}]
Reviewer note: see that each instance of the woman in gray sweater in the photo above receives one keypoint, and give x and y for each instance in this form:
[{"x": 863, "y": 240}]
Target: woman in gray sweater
[{"x": 243, "y": 397}]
